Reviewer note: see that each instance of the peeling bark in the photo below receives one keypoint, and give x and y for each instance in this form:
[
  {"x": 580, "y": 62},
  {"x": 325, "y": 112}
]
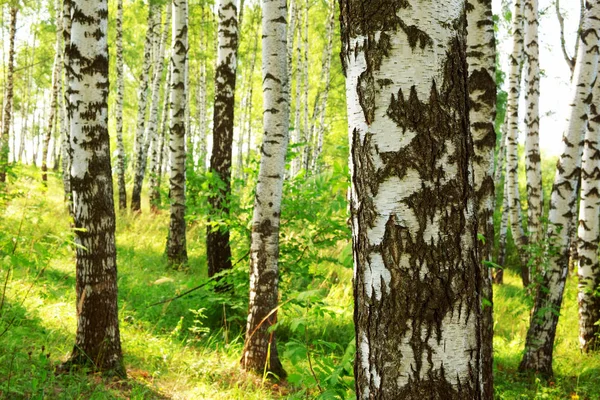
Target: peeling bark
[{"x": 417, "y": 276}]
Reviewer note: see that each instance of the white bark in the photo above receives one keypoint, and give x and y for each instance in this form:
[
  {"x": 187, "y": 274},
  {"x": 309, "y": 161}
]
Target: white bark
[
  {"x": 533, "y": 166},
  {"x": 176, "y": 241},
  {"x": 260, "y": 347},
  {"x": 563, "y": 202},
  {"x": 512, "y": 134},
  {"x": 401, "y": 76},
  {"x": 139, "y": 143},
  {"x": 588, "y": 231}
]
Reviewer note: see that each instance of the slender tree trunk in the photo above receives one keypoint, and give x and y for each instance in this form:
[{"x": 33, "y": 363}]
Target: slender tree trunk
[
  {"x": 322, "y": 107},
  {"x": 98, "y": 340},
  {"x": 156, "y": 157},
  {"x": 218, "y": 250},
  {"x": 119, "y": 111},
  {"x": 512, "y": 134},
  {"x": 417, "y": 278},
  {"x": 152, "y": 126},
  {"x": 4, "y": 149},
  {"x": 66, "y": 142},
  {"x": 201, "y": 99},
  {"x": 306, "y": 149},
  {"x": 56, "y": 83},
  {"x": 176, "y": 241},
  {"x": 589, "y": 232},
  {"x": 260, "y": 350},
  {"x": 297, "y": 138},
  {"x": 499, "y": 278},
  {"x": 533, "y": 165},
  {"x": 139, "y": 145},
  {"x": 563, "y": 203},
  {"x": 481, "y": 57}
]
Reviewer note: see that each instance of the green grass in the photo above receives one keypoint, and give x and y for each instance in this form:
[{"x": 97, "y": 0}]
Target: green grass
[{"x": 190, "y": 348}]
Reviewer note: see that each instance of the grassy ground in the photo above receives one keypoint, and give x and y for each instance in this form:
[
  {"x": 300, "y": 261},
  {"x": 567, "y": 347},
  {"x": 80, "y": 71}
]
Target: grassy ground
[{"x": 189, "y": 348}]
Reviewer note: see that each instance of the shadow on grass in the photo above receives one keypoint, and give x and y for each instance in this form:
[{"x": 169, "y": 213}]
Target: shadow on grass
[{"x": 30, "y": 353}]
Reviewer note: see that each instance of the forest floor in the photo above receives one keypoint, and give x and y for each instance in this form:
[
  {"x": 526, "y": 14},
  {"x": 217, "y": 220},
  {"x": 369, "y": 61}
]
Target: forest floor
[{"x": 189, "y": 348}]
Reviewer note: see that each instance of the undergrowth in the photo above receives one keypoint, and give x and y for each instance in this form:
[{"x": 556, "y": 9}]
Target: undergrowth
[{"x": 189, "y": 347}]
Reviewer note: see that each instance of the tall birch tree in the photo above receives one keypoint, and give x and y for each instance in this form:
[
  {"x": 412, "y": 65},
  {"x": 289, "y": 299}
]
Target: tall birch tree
[
  {"x": 260, "y": 348},
  {"x": 481, "y": 57},
  {"x": 98, "y": 340},
  {"x": 416, "y": 271},
  {"x": 533, "y": 166},
  {"x": 119, "y": 110},
  {"x": 539, "y": 344},
  {"x": 512, "y": 135},
  {"x": 56, "y": 88},
  {"x": 218, "y": 251},
  {"x": 139, "y": 143},
  {"x": 176, "y": 240},
  {"x": 588, "y": 230},
  {"x": 4, "y": 138}
]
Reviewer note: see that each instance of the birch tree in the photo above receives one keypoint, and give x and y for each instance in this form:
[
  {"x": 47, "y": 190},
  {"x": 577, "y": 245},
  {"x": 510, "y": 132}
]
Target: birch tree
[
  {"x": 260, "y": 348},
  {"x": 481, "y": 57},
  {"x": 218, "y": 251},
  {"x": 4, "y": 139},
  {"x": 119, "y": 110},
  {"x": 416, "y": 270},
  {"x": 176, "y": 240},
  {"x": 512, "y": 134},
  {"x": 158, "y": 141},
  {"x": 98, "y": 340},
  {"x": 139, "y": 143},
  {"x": 533, "y": 166},
  {"x": 563, "y": 203},
  {"x": 588, "y": 230},
  {"x": 56, "y": 87},
  {"x": 321, "y": 99}
]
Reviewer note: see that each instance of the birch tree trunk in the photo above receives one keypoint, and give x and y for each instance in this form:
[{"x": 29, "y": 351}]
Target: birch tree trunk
[
  {"x": 56, "y": 84},
  {"x": 306, "y": 149},
  {"x": 119, "y": 111},
  {"x": 139, "y": 144},
  {"x": 98, "y": 340},
  {"x": 481, "y": 57},
  {"x": 4, "y": 149},
  {"x": 563, "y": 203},
  {"x": 589, "y": 232},
  {"x": 66, "y": 143},
  {"x": 499, "y": 278},
  {"x": 322, "y": 101},
  {"x": 512, "y": 135},
  {"x": 201, "y": 99},
  {"x": 533, "y": 165},
  {"x": 417, "y": 278},
  {"x": 297, "y": 138},
  {"x": 151, "y": 135},
  {"x": 218, "y": 251},
  {"x": 158, "y": 142},
  {"x": 176, "y": 241},
  {"x": 260, "y": 348}
]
